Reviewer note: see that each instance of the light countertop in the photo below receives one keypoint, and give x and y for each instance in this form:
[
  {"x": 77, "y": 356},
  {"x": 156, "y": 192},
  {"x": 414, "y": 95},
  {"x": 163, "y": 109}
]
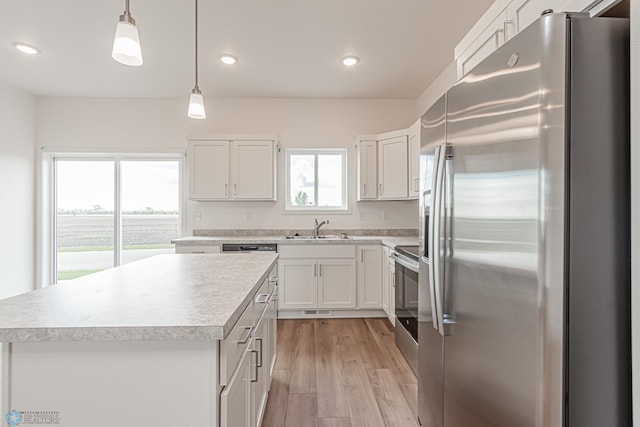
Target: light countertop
[
  {"x": 389, "y": 241},
  {"x": 165, "y": 297}
]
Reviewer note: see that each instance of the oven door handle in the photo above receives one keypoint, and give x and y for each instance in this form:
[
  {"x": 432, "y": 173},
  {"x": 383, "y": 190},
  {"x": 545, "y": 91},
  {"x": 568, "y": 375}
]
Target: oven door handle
[{"x": 405, "y": 264}]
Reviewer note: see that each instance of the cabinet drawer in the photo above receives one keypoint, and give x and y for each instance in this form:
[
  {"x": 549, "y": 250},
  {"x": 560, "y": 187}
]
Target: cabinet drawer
[
  {"x": 261, "y": 301},
  {"x": 233, "y": 347},
  {"x": 199, "y": 249},
  {"x": 317, "y": 251}
]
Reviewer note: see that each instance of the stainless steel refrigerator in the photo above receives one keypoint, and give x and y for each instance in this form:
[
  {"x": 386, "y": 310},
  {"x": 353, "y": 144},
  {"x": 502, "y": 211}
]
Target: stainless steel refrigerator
[{"x": 524, "y": 312}]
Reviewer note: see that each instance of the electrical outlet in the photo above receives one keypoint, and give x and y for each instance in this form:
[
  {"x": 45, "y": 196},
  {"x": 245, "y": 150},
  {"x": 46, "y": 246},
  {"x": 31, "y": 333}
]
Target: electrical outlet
[
  {"x": 197, "y": 216},
  {"x": 248, "y": 216},
  {"x": 385, "y": 215},
  {"x": 363, "y": 214}
]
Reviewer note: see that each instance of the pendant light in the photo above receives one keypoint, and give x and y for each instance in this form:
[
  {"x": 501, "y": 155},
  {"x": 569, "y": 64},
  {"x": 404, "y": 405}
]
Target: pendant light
[
  {"x": 126, "y": 43},
  {"x": 196, "y": 101}
]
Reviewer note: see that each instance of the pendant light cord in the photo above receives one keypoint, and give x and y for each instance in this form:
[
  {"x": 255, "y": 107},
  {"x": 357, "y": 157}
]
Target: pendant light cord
[
  {"x": 126, "y": 8},
  {"x": 196, "y": 44}
]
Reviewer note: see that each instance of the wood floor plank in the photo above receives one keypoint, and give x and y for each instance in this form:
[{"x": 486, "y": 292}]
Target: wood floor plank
[
  {"x": 366, "y": 345},
  {"x": 276, "y": 409},
  {"x": 363, "y": 408},
  {"x": 391, "y": 356},
  {"x": 301, "y": 410},
  {"x": 331, "y": 393},
  {"x": 303, "y": 365},
  {"x": 286, "y": 344},
  {"x": 410, "y": 392},
  {"x": 392, "y": 403},
  {"x": 334, "y": 422}
]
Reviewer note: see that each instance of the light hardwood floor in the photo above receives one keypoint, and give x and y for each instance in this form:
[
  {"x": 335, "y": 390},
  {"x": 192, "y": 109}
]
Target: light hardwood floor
[{"x": 340, "y": 373}]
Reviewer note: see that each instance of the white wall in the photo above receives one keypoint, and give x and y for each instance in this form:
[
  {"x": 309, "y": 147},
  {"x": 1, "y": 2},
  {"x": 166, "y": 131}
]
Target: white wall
[
  {"x": 17, "y": 190},
  {"x": 148, "y": 124},
  {"x": 635, "y": 206}
]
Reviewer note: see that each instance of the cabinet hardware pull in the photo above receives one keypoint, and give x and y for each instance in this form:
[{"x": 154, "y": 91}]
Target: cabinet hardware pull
[
  {"x": 506, "y": 29},
  {"x": 249, "y": 329},
  {"x": 381, "y": 192},
  {"x": 235, "y": 189},
  {"x": 255, "y": 366},
  {"x": 260, "y": 362},
  {"x": 497, "y": 36},
  {"x": 273, "y": 279},
  {"x": 365, "y": 189},
  {"x": 262, "y": 298},
  {"x": 226, "y": 189},
  {"x": 320, "y": 268}
]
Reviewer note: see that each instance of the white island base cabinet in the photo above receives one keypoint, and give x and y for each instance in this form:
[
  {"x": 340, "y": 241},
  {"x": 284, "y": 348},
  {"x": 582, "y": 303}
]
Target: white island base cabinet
[
  {"x": 195, "y": 383},
  {"x": 100, "y": 384}
]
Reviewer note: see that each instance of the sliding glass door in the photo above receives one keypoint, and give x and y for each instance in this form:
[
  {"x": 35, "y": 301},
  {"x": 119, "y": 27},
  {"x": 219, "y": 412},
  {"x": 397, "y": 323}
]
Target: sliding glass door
[{"x": 111, "y": 211}]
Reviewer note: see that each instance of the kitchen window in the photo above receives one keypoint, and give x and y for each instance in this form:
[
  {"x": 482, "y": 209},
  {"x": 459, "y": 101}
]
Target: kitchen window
[
  {"x": 109, "y": 211},
  {"x": 316, "y": 180}
]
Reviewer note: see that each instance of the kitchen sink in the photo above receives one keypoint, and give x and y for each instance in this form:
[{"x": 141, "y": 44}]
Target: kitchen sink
[{"x": 325, "y": 237}]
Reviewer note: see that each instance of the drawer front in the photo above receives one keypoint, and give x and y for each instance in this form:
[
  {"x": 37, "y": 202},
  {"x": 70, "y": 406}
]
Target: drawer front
[
  {"x": 199, "y": 249},
  {"x": 317, "y": 251},
  {"x": 261, "y": 301},
  {"x": 233, "y": 347}
]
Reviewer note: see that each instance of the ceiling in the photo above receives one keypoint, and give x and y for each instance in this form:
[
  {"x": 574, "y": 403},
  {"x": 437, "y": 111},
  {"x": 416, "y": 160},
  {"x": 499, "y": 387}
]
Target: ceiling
[{"x": 287, "y": 48}]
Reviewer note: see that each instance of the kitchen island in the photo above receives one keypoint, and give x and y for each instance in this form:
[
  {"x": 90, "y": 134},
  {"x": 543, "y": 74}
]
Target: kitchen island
[{"x": 170, "y": 340}]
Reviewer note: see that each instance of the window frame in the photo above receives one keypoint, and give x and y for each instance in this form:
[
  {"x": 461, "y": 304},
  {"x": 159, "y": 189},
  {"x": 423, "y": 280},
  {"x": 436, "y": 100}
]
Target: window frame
[
  {"x": 47, "y": 227},
  {"x": 293, "y": 209}
]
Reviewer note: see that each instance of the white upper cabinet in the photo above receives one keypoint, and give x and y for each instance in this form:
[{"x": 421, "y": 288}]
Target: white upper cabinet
[
  {"x": 490, "y": 39},
  {"x": 367, "y": 169},
  {"x": 504, "y": 19},
  {"x": 232, "y": 169},
  {"x": 209, "y": 170},
  {"x": 393, "y": 168},
  {"x": 414, "y": 160},
  {"x": 252, "y": 169}
]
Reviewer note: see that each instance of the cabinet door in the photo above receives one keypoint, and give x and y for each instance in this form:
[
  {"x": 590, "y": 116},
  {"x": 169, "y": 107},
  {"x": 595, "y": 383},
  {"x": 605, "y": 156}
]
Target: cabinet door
[
  {"x": 521, "y": 13},
  {"x": 253, "y": 167},
  {"x": 259, "y": 371},
  {"x": 273, "y": 332},
  {"x": 386, "y": 285},
  {"x": 486, "y": 43},
  {"x": 336, "y": 283},
  {"x": 369, "y": 276},
  {"x": 235, "y": 399},
  {"x": 209, "y": 170},
  {"x": 297, "y": 283},
  {"x": 367, "y": 170},
  {"x": 414, "y": 160},
  {"x": 391, "y": 271},
  {"x": 393, "y": 168}
]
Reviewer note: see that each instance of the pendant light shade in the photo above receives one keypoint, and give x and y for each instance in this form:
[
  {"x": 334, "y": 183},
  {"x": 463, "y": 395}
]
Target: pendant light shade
[
  {"x": 196, "y": 105},
  {"x": 126, "y": 43},
  {"x": 196, "y": 100}
]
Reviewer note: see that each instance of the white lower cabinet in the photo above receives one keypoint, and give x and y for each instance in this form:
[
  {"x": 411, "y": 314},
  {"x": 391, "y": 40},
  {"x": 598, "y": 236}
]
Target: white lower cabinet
[
  {"x": 297, "y": 280},
  {"x": 244, "y": 396},
  {"x": 369, "y": 276},
  {"x": 317, "y": 283},
  {"x": 235, "y": 399}
]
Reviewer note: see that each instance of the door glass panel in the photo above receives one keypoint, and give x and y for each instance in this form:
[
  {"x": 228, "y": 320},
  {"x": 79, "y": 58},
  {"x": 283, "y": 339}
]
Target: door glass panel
[
  {"x": 84, "y": 217},
  {"x": 150, "y": 207}
]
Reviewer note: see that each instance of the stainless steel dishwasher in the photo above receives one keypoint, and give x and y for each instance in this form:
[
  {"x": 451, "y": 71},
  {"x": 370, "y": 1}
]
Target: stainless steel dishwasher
[{"x": 249, "y": 247}]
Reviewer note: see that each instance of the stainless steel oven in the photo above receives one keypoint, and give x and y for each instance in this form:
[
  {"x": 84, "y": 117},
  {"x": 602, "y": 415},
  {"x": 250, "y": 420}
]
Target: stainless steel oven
[{"x": 406, "y": 283}]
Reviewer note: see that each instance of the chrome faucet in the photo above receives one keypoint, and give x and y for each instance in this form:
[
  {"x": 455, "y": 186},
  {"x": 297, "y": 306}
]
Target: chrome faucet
[{"x": 316, "y": 227}]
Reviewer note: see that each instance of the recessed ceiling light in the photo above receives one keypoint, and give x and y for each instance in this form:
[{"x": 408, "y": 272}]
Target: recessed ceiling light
[
  {"x": 350, "y": 60},
  {"x": 26, "y": 48},
  {"x": 228, "y": 59}
]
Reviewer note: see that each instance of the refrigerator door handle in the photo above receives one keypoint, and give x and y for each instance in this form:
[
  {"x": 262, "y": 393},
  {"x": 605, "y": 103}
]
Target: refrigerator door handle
[
  {"x": 430, "y": 240},
  {"x": 436, "y": 251}
]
